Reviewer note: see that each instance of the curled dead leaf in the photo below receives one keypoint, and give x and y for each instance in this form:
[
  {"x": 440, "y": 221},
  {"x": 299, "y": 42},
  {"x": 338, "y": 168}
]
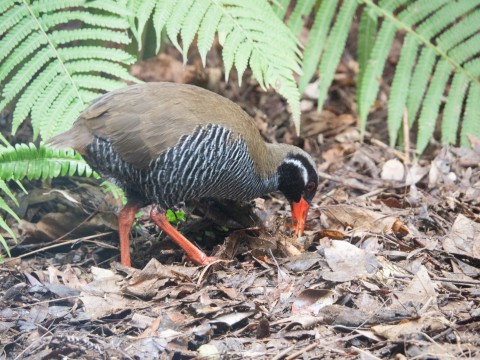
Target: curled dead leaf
[{"x": 310, "y": 301}]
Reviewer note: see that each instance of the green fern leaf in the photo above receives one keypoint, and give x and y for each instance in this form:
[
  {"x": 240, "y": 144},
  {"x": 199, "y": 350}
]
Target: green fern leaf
[
  {"x": 430, "y": 109},
  {"x": 67, "y": 36},
  {"x": 440, "y": 29},
  {"x": 248, "y": 30},
  {"x": 241, "y": 59},
  {"x": 433, "y": 25},
  {"x": 31, "y": 95},
  {"x": 7, "y": 4},
  {"x": 28, "y": 161},
  {"x": 4, "y": 187},
  {"x": 163, "y": 11},
  {"x": 71, "y": 113},
  {"x": 419, "y": 10},
  {"x": 399, "y": 91},
  {"x": 143, "y": 11},
  {"x": 463, "y": 29},
  {"x": 369, "y": 82},
  {"x": 46, "y": 105},
  {"x": 471, "y": 122},
  {"x": 301, "y": 10},
  {"x": 206, "y": 32},
  {"x": 259, "y": 69},
  {"x": 175, "y": 22},
  {"x": 20, "y": 54},
  {"x": 26, "y": 73},
  {"x": 316, "y": 41},
  {"x": 51, "y": 20},
  {"x": 333, "y": 48},
  {"x": 39, "y": 53},
  {"x": 11, "y": 17},
  {"x": 15, "y": 36},
  {"x": 465, "y": 50},
  {"x": 453, "y": 109},
  {"x": 96, "y": 52},
  {"x": 57, "y": 106},
  {"x": 191, "y": 24},
  {"x": 280, "y": 7},
  {"x": 367, "y": 31},
  {"x": 418, "y": 85},
  {"x": 46, "y": 6},
  {"x": 95, "y": 82}
]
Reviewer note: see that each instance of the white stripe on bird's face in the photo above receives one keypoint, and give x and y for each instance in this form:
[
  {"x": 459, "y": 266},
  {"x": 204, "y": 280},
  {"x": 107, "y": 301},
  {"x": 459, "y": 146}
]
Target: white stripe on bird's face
[{"x": 300, "y": 166}]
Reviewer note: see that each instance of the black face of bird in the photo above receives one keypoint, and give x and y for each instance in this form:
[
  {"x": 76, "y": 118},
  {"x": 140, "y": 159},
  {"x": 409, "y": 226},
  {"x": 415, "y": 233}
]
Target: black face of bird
[
  {"x": 297, "y": 178},
  {"x": 298, "y": 181}
]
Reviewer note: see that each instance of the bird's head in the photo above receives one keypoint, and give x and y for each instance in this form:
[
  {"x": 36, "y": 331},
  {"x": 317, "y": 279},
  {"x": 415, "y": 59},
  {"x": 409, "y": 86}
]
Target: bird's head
[{"x": 298, "y": 181}]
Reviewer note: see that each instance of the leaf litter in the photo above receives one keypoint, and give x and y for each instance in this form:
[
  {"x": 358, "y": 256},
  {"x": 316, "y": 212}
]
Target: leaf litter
[{"x": 389, "y": 266}]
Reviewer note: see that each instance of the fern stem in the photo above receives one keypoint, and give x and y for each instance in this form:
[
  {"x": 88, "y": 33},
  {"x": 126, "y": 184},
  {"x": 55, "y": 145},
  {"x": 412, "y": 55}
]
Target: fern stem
[
  {"x": 421, "y": 39},
  {"x": 54, "y": 48}
]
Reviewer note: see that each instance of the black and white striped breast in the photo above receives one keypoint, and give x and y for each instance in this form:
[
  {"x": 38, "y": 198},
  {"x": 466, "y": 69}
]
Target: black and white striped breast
[{"x": 210, "y": 163}]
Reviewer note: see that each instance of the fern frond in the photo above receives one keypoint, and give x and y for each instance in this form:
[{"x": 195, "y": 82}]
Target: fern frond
[
  {"x": 472, "y": 115},
  {"x": 64, "y": 37},
  {"x": 96, "y": 52},
  {"x": 465, "y": 50},
  {"x": 206, "y": 32},
  {"x": 301, "y": 10},
  {"x": 6, "y": 193},
  {"x": 334, "y": 47},
  {"x": 399, "y": 91},
  {"x": 196, "y": 13},
  {"x": 249, "y": 31},
  {"x": 39, "y": 53},
  {"x": 163, "y": 11},
  {"x": 176, "y": 21},
  {"x": 5, "y": 208},
  {"x": 418, "y": 85},
  {"x": 39, "y": 114},
  {"x": 430, "y": 109},
  {"x": 367, "y": 31},
  {"x": 463, "y": 29},
  {"x": 28, "y": 161},
  {"x": 280, "y": 7},
  {"x": 445, "y": 31},
  {"x": 453, "y": 109},
  {"x": 30, "y": 96},
  {"x": 369, "y": 83},
  {"x": 316, "y": 41}
]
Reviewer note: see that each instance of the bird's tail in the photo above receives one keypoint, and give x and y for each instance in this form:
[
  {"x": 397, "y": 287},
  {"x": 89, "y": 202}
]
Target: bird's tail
[{"x": 77, "y": 138}]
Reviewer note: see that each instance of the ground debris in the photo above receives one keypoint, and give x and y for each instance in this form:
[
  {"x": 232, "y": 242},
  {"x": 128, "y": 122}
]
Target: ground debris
[{"x": 389, "y": 266}]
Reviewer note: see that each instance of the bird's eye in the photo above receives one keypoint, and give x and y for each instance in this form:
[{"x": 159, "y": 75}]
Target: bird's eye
[{"x": 311, "y": 186}]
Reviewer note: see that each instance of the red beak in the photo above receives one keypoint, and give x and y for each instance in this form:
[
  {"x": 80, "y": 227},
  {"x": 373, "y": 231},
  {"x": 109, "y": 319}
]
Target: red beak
[{"x": 299, "y": 216}]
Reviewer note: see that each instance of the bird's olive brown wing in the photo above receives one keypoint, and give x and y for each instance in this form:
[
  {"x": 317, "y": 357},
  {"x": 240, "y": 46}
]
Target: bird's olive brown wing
[{"x": 142, "y": 121}]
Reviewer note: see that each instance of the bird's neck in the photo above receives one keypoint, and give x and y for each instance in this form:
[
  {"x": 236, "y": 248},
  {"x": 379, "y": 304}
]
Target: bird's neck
[{"x": 274, "y": 156}]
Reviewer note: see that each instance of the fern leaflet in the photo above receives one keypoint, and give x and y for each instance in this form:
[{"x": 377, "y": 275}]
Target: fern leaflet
[{"x": 37, "y": 51}]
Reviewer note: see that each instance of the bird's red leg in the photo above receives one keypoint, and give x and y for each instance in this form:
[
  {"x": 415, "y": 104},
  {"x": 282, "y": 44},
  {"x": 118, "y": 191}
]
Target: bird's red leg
[
  {"x": 125, "y": 222},
  {"x": 195, "y": 254}
]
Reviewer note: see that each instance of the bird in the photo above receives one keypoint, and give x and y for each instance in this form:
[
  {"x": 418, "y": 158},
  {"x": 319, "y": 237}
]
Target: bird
[{"x": 165, "y": 143}]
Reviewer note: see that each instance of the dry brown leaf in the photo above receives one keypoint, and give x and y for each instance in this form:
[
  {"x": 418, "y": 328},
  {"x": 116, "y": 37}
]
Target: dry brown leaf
[
  {"x": 347, "y": 261},
  {"x": 232, "y": 319},
  {"x": 362, "y": 221},
  {"x": 420, "y": 292},
  {"x": 464, "y": 238},
  {"x": 400, "y": 330},
  {"x": 310, "y": 301},
  {"x": 103, "y": 297}
]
